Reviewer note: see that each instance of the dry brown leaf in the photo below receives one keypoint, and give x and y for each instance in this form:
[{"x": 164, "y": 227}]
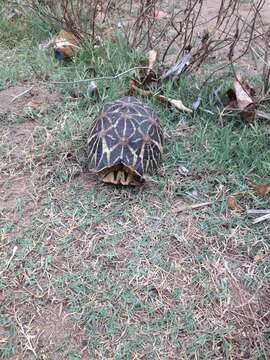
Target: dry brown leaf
[
  {"x": 178, "y": 104},
  {"x": 262, "y": 189},
  {"x": 134, "y": 89},
  {"x": 34, "y": 104},
  {"x": 152, "y": 58},
  {"x": 66, "y": 43},
  {"x": 232, "y": 203},
  {"x": 66, "y": 36},
  {"x": 244, "y": 100}
]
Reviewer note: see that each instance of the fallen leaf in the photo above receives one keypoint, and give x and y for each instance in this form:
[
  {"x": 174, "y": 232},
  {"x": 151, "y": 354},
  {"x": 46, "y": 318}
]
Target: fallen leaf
[
  {"x": 232, "y": 203},
  {"x": 152, "y": 58},
  {"x": 242, "y": 97},
  {"x": 262, "y": 189},
  {"x": 34, "y": 104},
  {"x": 244, "y": 101},
  {"x": 178, "y": 104},
  {"x": 65, "y": 45}
]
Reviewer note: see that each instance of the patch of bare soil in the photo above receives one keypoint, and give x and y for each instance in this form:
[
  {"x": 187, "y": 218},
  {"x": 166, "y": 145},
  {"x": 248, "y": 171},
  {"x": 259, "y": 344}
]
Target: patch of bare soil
[
  {"x": 85, "y": 180},
  {"x": 46, "y": 331},
  {"x": 18, "y": 187},
  {"x": 16, "y": 142},
  {"x": 18, "y": 100},
  {"x": 18, "y": 138},
  {"x": 211, "y": 7},
  {"x": 3, "y": 335},
  {"x": 52, "y": 328}
]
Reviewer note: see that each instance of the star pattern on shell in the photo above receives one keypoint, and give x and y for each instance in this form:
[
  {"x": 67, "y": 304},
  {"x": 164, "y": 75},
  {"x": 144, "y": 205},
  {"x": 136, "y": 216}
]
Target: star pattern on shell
[{"x": 126, "y": 132}]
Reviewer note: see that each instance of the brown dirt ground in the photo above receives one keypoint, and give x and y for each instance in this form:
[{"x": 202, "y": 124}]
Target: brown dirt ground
[
  {"x": 15, "y": 102},
  {"x": 19, "y": 99},
  {"x": 209, "y": 11}
]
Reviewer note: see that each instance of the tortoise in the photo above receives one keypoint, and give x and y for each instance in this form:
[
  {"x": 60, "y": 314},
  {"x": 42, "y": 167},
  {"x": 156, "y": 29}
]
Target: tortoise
[{"x": 125, "y": 142}]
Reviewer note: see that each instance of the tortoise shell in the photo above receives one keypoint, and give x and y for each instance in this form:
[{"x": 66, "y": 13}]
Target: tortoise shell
[{"x": 125, "y": 142}]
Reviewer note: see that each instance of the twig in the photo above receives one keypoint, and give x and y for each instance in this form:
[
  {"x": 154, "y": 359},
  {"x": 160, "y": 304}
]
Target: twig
[
  {"x": 12, "y": 256},
  {"x": 192, "y": 206},
  {"x": 261, "y": 218},
  {"x": 263, "y": 115},
  {"x": 258, "y": 211},
  {"x": 21, "y": 94},
  {"x": 102, "y": 77},
  {"x": 26, "y": 335},
  {"x": 10, "y": 259}
]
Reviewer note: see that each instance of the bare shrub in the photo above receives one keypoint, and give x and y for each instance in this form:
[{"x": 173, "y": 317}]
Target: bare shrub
[{"x": 172, "y": 27}]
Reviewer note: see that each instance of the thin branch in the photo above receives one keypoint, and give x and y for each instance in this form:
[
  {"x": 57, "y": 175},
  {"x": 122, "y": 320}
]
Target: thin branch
[
  {"x": 21, "y": 94},
  {"x": 102, "y": 77}
]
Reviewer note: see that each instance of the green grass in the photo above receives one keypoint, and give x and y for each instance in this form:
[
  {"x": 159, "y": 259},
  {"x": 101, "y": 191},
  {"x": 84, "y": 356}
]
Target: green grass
[{"x": 114, "y": 272}]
